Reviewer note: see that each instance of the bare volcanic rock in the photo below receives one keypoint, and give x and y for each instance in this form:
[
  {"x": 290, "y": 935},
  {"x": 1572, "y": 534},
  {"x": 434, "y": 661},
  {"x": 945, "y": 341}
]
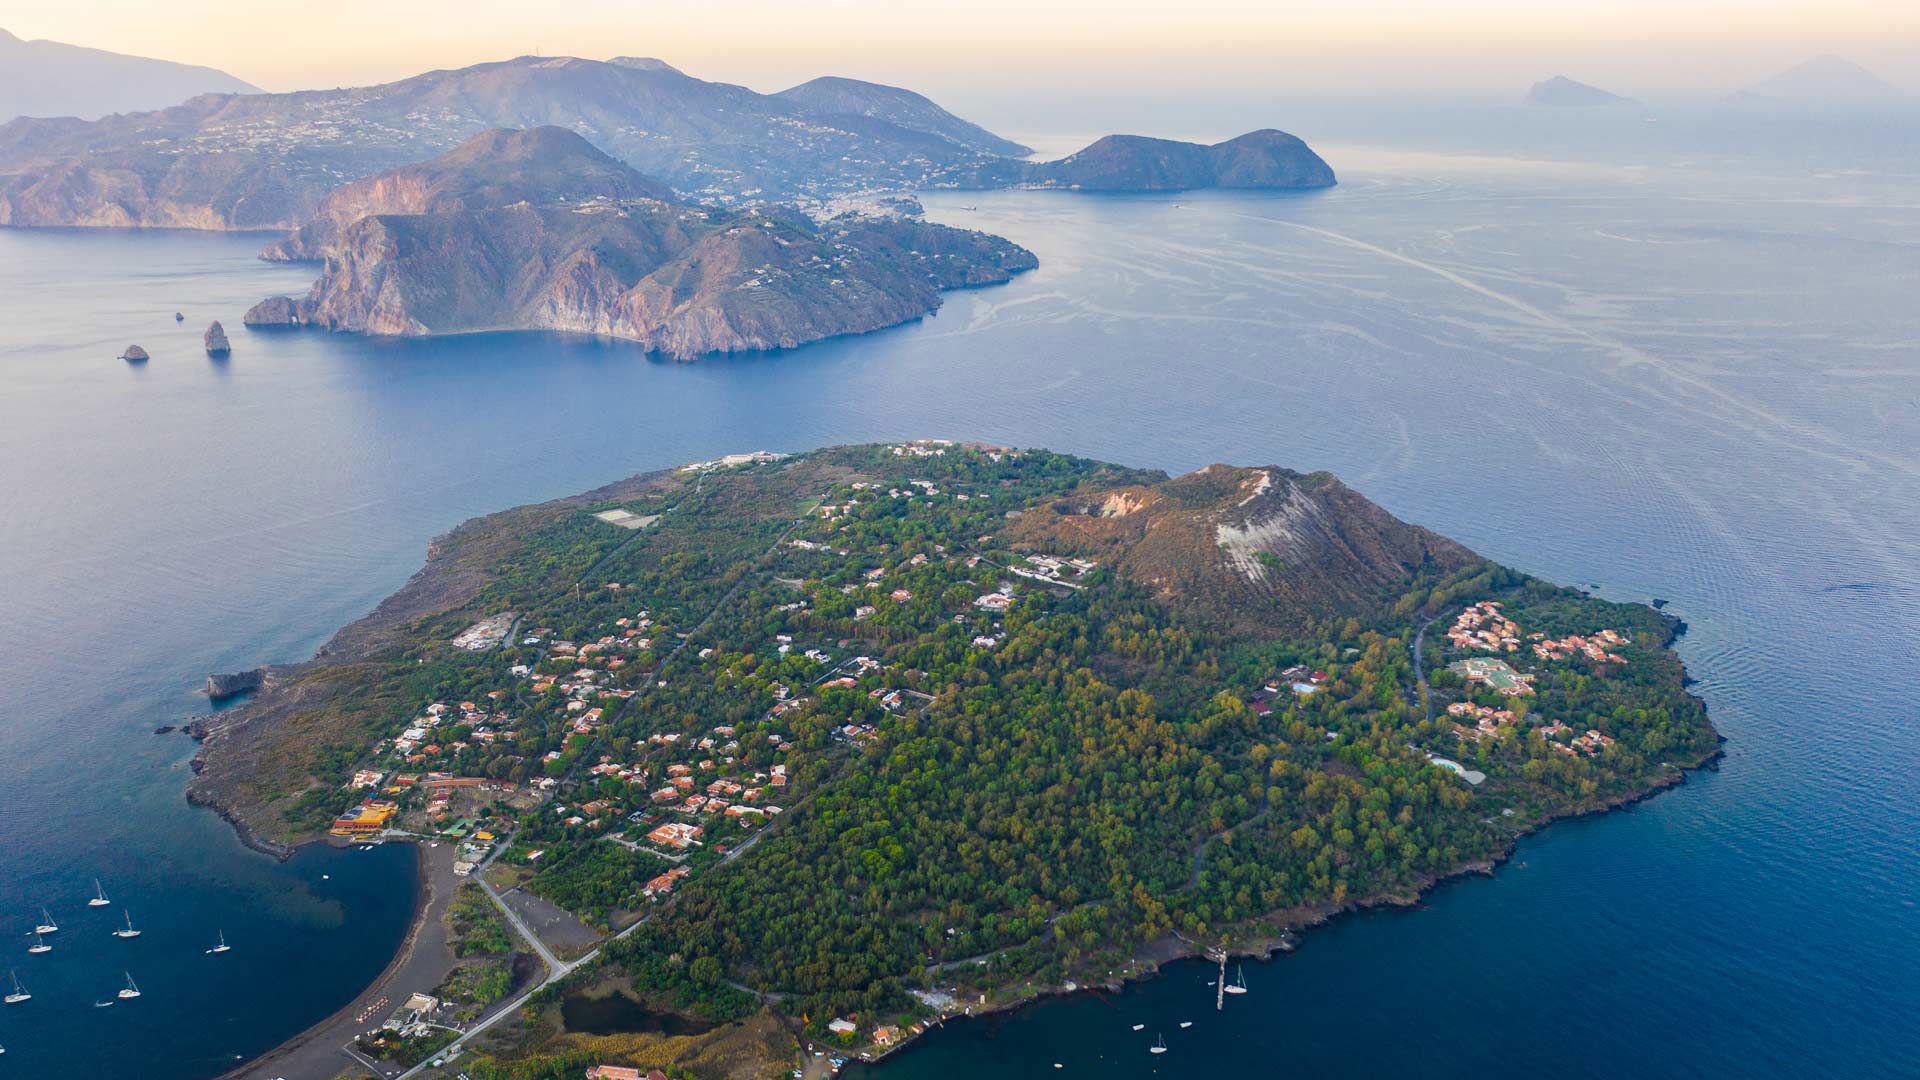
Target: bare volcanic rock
[
  {"x": 134, "y": 353},
  {"x": 682, "y": 281},
  {"x": 1260, "y": 547},
  {"x": 500, "y": 167},
  {"x": 216, "y": 340},
  {"x": 221, "y": 687},
  {"x": 273, "y": 311}
]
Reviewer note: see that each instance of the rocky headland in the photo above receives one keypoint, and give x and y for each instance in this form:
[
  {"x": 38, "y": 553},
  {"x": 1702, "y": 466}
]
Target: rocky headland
[{"x": 470, "y": 242}]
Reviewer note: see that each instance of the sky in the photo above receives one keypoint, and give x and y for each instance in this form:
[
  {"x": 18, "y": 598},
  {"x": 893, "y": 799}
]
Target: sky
[{"x": 989, "y": 54}]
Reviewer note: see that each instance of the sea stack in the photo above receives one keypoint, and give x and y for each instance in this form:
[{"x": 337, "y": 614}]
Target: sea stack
[
  {"x": 135, "y": 353},
  {"x": 217, "y": 340}
]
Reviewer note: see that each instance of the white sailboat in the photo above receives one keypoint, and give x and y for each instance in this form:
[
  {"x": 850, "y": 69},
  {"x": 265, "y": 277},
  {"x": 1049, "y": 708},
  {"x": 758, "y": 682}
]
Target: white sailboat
[
  {"x": 129, "y": 932},
  {"x": 39, "y": 945},
  {"x": 223, "y": 946},
  {"x": 1239, "y": 984},
  {"x": 1159, "y": 1046},
  {"x": 19, "y": 995},
  {"x": 47, "y": 925},
  {"x": 132, "y": 991},
  {"x": 99, "y": 895}
]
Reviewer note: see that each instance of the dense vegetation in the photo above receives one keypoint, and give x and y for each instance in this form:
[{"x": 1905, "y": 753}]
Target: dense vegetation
[{"x": 1043, "y": 781}]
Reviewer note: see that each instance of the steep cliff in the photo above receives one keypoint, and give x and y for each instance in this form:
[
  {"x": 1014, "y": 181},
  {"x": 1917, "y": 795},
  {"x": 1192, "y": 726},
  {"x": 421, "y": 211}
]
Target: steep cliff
[{"x": 682, "y": 281}]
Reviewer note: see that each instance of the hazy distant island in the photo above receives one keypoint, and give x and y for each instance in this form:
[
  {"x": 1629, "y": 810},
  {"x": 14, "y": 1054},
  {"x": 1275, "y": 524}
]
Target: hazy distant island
[
  {"x": 47, "y": 78},
  {"x": 831, "y": 745},
  {"x": 1562, "y": 92},
  {"x": 257, "y": 161},
  {"x": 1825, "y": 80}
]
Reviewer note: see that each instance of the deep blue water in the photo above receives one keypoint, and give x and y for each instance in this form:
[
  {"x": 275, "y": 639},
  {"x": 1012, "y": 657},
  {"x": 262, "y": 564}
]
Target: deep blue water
[{"x": 1695, "y": 384}]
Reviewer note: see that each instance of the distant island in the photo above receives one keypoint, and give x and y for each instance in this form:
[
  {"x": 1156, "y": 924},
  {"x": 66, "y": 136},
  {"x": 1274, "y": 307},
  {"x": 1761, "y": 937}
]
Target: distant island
[
  {"x": 525, "y": 230},
  {"x": 829, "y": 746},
  {"x": 1824, "y": 80},
  {"x": 260, "y": 161},
  {"x": 1562, "y": 92},
  {"x": 51, "y": 79}
]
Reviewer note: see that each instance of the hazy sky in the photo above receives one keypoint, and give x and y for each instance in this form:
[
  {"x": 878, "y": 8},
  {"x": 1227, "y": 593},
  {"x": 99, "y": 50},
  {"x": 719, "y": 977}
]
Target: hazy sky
[{"x": 995, "y": 50}]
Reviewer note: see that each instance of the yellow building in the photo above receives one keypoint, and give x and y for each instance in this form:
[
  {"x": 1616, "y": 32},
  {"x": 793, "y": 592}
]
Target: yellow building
[{"x": 366, "y": 819}]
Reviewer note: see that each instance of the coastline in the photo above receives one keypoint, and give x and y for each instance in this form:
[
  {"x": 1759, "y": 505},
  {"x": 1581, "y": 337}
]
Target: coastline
[
  {"x": 316, "y": 1051},
  {"x": 1150, "y": 959}
]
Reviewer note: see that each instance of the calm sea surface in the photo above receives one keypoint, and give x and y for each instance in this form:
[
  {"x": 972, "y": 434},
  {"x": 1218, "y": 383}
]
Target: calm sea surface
[{"x": 1689, "y": 383}]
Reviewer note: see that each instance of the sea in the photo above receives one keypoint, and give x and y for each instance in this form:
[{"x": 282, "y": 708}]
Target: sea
[{"x": 1657, "y": 375}]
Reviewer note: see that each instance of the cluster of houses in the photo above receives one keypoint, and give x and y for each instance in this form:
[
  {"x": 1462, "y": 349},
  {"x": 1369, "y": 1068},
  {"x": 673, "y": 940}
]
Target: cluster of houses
[
  {"x": 1298, "y": 680},
  {"x": 1056, "y": 570},
  {"x": 732, "y": 461},
  {"x": 1483, "y": 627},
  {"x": 1485, "y": 723},
  {"x": 1598, "y": 648}
]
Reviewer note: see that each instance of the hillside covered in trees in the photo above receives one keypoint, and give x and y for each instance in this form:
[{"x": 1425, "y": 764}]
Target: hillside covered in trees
[{"x": 977, "y": 720}]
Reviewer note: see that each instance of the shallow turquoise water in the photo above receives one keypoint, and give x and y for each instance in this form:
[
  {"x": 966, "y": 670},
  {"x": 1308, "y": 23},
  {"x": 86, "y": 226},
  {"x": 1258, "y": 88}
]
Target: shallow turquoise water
[{"x": 1703, "y": 387}]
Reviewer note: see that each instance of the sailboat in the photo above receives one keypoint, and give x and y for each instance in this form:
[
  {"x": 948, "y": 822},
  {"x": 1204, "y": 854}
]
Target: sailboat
[
  {"x": 132, "y": 991},
  {"x": 1159, "y": 1046},
  {"x": 223, "y": 946},
  {"x": 99, "y": 895},
  {"x": 39, "y": 945},
  {"x": 129, "y": 932},
  {"x": 1239, "y": 984},
  {"x": 47, "y": 925},
  {"x": 19, "y": 995}
]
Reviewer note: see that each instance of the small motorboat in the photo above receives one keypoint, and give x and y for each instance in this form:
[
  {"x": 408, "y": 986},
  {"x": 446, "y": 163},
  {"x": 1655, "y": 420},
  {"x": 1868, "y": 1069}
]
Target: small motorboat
[
  {"x": 1186, "y": 1023},
  {"x": 1139, "y": 1027}
]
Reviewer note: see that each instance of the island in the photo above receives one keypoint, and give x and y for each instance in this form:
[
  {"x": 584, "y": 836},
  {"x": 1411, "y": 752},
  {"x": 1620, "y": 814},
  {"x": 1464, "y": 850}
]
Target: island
[
  {"x": 539, "y": 230},
  {"x": 269, "y": 161},
  {"x": 823, "y": 748},
  {"x": 1562, "y": 92}
]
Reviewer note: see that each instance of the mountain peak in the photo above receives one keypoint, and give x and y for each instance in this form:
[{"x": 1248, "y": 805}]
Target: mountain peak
[
  {"x": 645, "y": 63},
  {"x": 1826, "y": 79},
  {"x": 900, "y": 107}
]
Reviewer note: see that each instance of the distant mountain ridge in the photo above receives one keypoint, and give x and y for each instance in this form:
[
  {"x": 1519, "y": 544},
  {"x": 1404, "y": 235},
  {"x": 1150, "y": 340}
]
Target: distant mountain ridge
[
  {"x": 833, "y": 94},
  {"x": 1562, "y": 92},
  {"x": 52, "y": 79},
  {"x": 267, "y": 160}
]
